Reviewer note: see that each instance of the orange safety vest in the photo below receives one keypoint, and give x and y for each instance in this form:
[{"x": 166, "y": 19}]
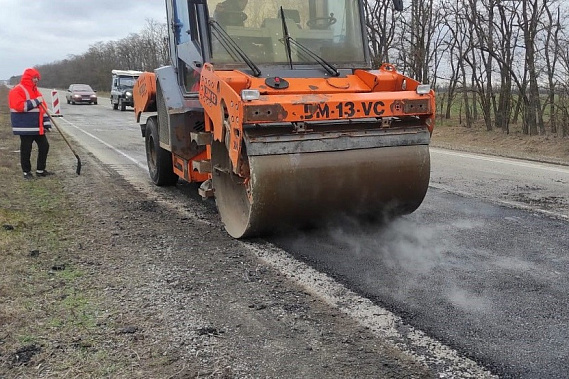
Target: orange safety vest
[{"x": 26, "y": 114}]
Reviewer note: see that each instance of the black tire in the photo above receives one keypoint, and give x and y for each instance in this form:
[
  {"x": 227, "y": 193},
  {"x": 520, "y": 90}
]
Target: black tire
[
  {"x": 158, "y": 159},
  {"x": 115, "y": 106},
  {"x": 95, "y": 102},
  {"x": 122, "y": 105}
]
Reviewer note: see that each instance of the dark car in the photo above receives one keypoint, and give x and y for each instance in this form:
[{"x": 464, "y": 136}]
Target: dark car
[
  {"x": 121, "y": 88},
  {"x": 81, "y": 93}
]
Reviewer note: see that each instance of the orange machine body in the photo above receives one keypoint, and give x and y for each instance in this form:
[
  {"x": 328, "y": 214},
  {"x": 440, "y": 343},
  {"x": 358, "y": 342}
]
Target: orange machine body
[
  {"x": 144, "y": 94},
  {"x": 278, "y": 115},
  {"x": 383, "y": 93}
]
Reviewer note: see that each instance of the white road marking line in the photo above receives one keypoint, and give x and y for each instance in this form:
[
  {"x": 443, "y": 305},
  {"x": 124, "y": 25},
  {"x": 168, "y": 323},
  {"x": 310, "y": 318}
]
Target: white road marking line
[
  {"x": 381, "y": 322},
  {"x": 141, "y": 165},
  {"x": 510, "y": 161}
]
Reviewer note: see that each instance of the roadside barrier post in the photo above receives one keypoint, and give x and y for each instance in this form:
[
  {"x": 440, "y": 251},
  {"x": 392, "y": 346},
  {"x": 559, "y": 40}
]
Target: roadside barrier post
[{"x": 55, "y": 106}]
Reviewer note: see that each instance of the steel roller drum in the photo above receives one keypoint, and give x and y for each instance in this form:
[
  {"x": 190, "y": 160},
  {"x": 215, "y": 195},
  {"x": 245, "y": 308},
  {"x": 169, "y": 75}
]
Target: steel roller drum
[{"x": 311, "y": 188}]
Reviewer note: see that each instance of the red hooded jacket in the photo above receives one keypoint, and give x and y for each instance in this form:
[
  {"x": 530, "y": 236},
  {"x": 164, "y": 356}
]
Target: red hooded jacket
[{"x": 27, "y": 115}]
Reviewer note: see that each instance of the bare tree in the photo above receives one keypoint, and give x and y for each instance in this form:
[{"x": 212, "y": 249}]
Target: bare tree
[
  {"x": 505, "y": 50},
  {"x": 481, "y": 17},
  {"x": 529, "y": 22},
  {"x": 421, "y": 26},
  {"x": 563, "y": 99},
  {"x": 380, "y": 20},
  {"x": 459, "y": 45},
  {"x": 551, "y": 54}
]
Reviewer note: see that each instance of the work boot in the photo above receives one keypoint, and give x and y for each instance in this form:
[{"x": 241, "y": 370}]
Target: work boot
[
  {"x": 28, "y": 175},
  {"x": 44, "y": 173}
]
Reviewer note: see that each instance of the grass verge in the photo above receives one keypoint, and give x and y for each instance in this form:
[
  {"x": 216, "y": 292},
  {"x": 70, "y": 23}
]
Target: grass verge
[{"x": 46, "y": 308}]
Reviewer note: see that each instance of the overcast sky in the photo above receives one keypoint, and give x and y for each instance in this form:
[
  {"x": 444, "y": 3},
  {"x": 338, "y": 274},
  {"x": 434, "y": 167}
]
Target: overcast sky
[{"x": 44, "y": 31}]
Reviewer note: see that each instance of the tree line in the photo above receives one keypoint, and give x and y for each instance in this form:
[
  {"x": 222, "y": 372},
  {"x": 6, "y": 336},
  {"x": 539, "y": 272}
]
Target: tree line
[
  {"x": 491, "y": 62},
  {"x": 494, "y": 62}
]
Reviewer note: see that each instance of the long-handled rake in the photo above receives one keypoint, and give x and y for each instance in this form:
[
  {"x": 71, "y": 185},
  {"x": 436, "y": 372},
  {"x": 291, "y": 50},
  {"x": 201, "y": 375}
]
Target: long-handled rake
[{"x": 78, "y": 171}]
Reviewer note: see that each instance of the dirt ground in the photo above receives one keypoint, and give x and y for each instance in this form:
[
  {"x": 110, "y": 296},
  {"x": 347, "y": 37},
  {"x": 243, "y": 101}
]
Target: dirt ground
[
  {"x": 114, "y": 282},
  {"x": 547, "y": 148},
  {"x": 173, "y": 297}
]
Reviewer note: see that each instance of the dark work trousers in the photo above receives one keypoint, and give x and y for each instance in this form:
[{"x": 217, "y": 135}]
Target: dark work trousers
[{"x": 26, "y": 143}]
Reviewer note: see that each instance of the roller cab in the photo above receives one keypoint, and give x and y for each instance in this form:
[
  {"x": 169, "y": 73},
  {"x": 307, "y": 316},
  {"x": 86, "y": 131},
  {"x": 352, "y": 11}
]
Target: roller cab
[{"x": 280, "y": 117}]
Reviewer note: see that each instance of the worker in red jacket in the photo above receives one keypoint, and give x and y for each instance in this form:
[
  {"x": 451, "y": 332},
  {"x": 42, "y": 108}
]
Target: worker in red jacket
[{"x": 30, "y": 122}]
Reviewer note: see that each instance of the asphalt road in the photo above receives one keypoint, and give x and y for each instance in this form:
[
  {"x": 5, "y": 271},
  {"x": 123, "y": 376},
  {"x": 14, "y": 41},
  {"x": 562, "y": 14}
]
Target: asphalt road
[{"x": 481, "y": 266}]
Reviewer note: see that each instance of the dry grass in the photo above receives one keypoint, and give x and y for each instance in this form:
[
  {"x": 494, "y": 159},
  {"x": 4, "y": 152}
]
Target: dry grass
[
  {"x": 548, "y": 148},
  {"x": 45, "y": 305},
  {"x": 57, "y": 320}
]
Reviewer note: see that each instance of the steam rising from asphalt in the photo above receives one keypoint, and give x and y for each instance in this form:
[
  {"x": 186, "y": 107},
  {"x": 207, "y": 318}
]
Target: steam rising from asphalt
[{"x": 402, "y": 254}]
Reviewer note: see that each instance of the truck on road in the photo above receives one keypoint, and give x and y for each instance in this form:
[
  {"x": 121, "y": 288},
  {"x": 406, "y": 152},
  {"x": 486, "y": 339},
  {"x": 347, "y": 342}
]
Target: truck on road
[{"x": 121, "y": 88}]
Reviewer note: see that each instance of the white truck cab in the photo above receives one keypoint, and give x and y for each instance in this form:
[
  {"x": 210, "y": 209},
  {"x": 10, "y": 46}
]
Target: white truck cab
[{"x": 121, "y": 88}]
